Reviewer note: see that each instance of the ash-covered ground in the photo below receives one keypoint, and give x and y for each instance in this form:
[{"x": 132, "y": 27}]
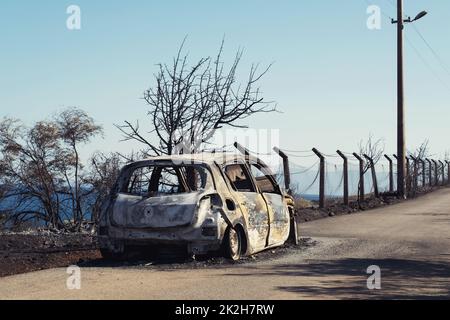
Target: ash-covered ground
[{"x": 41, "y": 249}]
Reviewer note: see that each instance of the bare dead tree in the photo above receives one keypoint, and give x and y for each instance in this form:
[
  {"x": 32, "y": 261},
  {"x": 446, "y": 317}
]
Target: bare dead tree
[
  {"x": 40, "y": 168},
  {"x": 28, "y": 165},
  {"x": 374, "y": 149},
  {"x": 103, "y": 174},
  {"x": 422, "y": 151},
  {"x": 416, "y": 170},
  {"x": 75, "y": 128},
  {"x": 189, "y": 103}
]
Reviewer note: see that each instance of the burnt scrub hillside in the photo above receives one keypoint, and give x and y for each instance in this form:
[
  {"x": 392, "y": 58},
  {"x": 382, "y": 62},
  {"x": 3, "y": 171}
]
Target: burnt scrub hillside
[
  {"x": 32, "y": 251},
  {"x": 309, "y": 211}
]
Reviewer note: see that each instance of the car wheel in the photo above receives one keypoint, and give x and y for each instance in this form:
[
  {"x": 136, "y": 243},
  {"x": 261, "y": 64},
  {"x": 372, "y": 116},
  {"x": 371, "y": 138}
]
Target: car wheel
[{"x": 233, "y": 244}]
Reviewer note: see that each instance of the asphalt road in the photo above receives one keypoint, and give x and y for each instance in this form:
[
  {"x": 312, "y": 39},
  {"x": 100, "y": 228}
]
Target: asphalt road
[{"x": 409, "y": 242}]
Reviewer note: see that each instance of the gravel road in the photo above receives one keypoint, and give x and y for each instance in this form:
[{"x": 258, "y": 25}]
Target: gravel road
[{"x": 409, "y": 241}]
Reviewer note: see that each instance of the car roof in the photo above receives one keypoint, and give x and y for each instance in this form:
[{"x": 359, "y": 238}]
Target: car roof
[{"x": 205, "y": 157}]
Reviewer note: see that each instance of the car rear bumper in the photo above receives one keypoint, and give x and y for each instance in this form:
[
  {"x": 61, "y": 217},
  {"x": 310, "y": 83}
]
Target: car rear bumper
[{"x": 200, "y": 246}]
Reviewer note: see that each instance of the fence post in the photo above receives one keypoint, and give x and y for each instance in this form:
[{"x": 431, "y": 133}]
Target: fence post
[
  {"x": 436, "y": 174},
  {"x": 443, "y": 172},
  {"x": 430, "y": 172},
  {"x": 424, "y": 176},
  {"x": 448, "y": 171},
  {"x": 286, "y": 171},
  {"x": 242, "y": 149},
  {"x": 322, "y": 178},
  {"x": 415, "y": 182},
  {"x": 374, "y": 175},
  {"x": 293, "y": 234},
  {"x": 391, "y": 173},
  {"x": 346, "y": 201},
  {"x": 361, "y": 176},
  {"x": 396, "y": 159},
  {"x": 408, "y": 176}
]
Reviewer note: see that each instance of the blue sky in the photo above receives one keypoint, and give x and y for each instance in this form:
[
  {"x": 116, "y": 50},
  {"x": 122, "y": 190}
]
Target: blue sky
[{"x": 333, "y": 79}]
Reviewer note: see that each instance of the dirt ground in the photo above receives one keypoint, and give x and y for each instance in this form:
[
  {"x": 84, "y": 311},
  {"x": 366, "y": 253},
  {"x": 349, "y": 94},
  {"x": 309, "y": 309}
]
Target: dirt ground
[
  {"x": 22, "y": 253},
  {"x": 408, "y": 241},
  {"x": 38, "y": 250}
]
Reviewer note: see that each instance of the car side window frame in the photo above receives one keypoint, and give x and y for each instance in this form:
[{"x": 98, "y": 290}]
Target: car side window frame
[
  {"x": 265, "y": 170},
  {"x": 247, "y": 172}
]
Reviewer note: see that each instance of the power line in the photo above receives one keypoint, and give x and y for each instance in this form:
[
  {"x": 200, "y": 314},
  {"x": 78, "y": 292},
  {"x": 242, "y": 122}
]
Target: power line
[
  {"x": 436, "y": 55},
  {"x": 427, "y": 64}
]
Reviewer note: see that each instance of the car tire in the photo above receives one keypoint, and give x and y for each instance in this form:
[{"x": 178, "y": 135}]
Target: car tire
[{"x": 233, "y": 244}]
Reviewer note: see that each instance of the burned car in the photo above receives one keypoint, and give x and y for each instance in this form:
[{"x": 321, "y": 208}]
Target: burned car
[{"x": 201, "y": 203}]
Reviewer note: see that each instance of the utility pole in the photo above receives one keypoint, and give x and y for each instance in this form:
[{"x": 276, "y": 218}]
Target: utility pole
[
  {"x": 401, "y": 149},
  {"x": 401, "y": 139}
]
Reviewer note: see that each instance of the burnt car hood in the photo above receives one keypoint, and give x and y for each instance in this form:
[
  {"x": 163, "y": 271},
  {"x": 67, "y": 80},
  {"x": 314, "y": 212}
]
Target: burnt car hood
[{"x": 155, "y": 212}]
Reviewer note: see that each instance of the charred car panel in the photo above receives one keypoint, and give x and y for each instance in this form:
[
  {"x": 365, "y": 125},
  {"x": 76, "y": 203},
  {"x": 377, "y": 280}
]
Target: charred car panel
[{"x": 195, "y": 203}]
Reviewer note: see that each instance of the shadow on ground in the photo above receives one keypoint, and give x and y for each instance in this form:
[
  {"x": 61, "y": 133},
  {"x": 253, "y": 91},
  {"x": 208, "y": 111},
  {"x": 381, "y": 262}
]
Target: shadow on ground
[
  {"x": 347, "y": 278},
  {"x": 172, "y": 260}
]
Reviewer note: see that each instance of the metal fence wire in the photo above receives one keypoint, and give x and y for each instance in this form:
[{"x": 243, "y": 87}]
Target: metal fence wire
[{"x": 306, "y": 180}]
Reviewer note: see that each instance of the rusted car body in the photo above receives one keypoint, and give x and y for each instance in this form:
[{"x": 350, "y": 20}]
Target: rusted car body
[{"x": 203, "y": 203}]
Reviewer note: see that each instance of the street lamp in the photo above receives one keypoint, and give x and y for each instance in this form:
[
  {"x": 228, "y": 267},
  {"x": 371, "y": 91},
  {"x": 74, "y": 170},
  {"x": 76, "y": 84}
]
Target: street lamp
[
  {"x": 401, "y": 148},
  {"x": 420, "y": 15}
]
